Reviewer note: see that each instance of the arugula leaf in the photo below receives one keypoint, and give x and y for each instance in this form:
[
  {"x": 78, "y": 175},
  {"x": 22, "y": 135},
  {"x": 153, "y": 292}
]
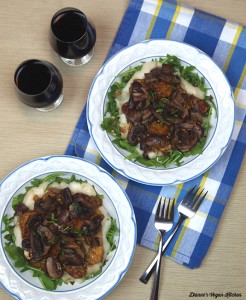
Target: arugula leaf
[
  {"x": 112, "y": 232},
  {"x": 174, "y": 157},
  {"x": 210, "y": 100},
  {"x": 92, "y": 275},
  {"x": 133, "y": 156},
  {"x": 192, "y": 77},
  {"x": 124, "y": 144},
  {"x": 111, "y": 125},
  {"x": 47, "y": 282},
  {"x": 127, "y": 75},
  {"x": 7, "y": 221},
  {"x": 186, "y": 72},
  {"x": 111, "y": 121},
  {"x": 198, "y": 149},
  {"x": 173, "y": 60},
  {"x": 59, "y": 179},
  {"x": 51, "y": 177},
  {"x": 115, "y": 90},
  {"x": 16, "y": 253},
  {"x": 17, "y": 200}
]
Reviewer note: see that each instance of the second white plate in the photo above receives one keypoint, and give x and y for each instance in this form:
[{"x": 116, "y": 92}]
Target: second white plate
[
  {"x": 23, "y": 285},
  {"x": 145, "y": 51}
]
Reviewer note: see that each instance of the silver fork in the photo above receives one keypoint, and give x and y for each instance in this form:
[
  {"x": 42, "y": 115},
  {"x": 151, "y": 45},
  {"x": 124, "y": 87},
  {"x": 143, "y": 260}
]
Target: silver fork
[
  {"x": 187, "y": 209},
  {"x": 163, "y": 223}
]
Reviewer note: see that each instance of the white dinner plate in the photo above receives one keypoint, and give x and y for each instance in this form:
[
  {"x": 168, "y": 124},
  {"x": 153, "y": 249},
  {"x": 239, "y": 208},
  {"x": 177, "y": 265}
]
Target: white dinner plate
[
  {"x": 222, "y": 124},
  {"x": 23, "y": 285}
]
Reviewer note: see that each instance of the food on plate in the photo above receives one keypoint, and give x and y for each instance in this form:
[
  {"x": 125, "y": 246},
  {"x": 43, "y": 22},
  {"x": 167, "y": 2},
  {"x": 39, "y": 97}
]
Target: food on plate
[
  {"x": 159, "y": 112},
  {"x": 61, "y": 230}
]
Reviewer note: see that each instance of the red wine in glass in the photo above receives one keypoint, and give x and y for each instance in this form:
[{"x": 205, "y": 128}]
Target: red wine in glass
[
  {"x": 39, "y": 84},
  {"x": 72, "y": 36}
]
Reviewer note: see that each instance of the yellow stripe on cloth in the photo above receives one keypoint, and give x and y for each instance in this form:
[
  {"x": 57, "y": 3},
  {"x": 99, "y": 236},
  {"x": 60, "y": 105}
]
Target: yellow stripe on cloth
[
  {"x": 180, "y": 238},
  {"x": 240, "y": 82},
  {"x": 98, "y": 160},
  {"x": 235, "y": 40},
  {"x": 93, "y": 152},
  {"x": 123, "y": 181},
  {"x": 174, "y": 19},
  {"x": 156, "y": 13}
]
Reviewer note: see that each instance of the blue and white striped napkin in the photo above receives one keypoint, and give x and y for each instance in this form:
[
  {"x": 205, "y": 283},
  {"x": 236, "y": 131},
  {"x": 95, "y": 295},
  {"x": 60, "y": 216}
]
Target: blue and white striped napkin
[{"x": 225, "y": 42}]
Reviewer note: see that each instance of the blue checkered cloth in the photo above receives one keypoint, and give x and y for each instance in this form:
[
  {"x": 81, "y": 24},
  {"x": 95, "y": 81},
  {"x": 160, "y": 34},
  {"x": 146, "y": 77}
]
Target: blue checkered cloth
[{"x": 225, "y": 42}]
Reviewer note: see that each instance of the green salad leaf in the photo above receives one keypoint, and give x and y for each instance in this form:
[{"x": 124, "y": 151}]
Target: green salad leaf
[
  {"x": 127, "y": 75},
  {"x": 111, "y": 119},
  {"x": 111, "y": 234},
  {"x": 16, "y": 254},
  {"x": 186, "y": 72},
  {"x": 111, "y": 125}
]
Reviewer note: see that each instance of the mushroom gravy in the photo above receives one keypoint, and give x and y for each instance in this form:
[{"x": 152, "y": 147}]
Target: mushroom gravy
[
  {"x": 159, "y": 112},
  {"x": 62, "y": 229}
]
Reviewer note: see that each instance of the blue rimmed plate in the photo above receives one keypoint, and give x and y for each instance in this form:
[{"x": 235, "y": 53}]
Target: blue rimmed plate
[
  {"x": 222, "y": 123},
  {"x": 23, "y": 285}
]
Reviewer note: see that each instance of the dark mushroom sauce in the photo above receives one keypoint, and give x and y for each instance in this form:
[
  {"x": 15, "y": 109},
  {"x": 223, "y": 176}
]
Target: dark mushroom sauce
[
  {"x": 164, "y": 121},
  {"x": 162, "y": 116},
  {"x": 63, "y": 233}
]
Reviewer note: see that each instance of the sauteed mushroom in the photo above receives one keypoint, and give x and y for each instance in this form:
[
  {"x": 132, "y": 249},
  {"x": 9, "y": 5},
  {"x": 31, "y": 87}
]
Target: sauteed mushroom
[
  {"x": 54, "y": 268},
  {"x": 61, "y": 231},
  {"x": 159, "y": 99}
]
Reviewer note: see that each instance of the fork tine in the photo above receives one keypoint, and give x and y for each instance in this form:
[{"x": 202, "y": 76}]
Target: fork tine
[
  {"x": 167, "y": 208},
  {"x": 187, "y": 196},
  {"x": 199, "y": 202},
  {"x": 195, "y": 197},
  {"x": 163, "y": 208},
  {"x": 158, "y": 209}
]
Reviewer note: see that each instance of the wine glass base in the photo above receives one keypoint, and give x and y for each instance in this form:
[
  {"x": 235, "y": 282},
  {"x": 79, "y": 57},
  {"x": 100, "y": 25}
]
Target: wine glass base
[
  {"x": 53, "y": 106},
  {"x": 78, "y": 61}
]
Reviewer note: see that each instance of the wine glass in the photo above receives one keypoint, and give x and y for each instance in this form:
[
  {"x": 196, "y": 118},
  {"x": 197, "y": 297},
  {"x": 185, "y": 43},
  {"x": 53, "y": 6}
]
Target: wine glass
[
  {"x": 72, "y": 36},
  {"x": 39, "y": 84}
]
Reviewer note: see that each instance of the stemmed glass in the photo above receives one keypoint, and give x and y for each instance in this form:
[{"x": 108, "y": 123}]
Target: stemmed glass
[
  {"x": 39, "y": 84},
  {"x": 72, "y": 36}
]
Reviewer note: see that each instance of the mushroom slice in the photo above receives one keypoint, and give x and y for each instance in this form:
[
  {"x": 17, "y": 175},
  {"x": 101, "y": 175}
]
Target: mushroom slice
[
  {"x": 68, "y": 197},
  {"x": 199, "y": 105},
  {"x": 63, "y": 217},
  {"x": 186, "y": 136},
  {"x": 47, "y": 235},
  {"x": 196, "y": 116},
  {"x": 20, "y": 209},
  {"x": 135, "y": 134},
  {"x": 138, "y": 95},
  {"x": 24, "y": 223},
  {"x": 54, "y": 268},
  {"x": 70, "y": 257},
  {"x": 91, "y": 202},
  {"x": 167, "y": 69},
  {"x": 37, "y": 245},
  {"x": 26, "y": 244},
  {"x": 46, "y": 204},
  {"x": 77, "y": 210}
]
